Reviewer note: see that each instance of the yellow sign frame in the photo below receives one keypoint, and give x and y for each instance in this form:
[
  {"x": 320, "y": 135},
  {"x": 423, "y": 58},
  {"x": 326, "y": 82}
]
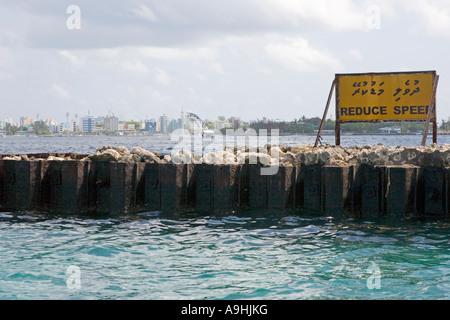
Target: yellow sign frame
[{"x": 384, "y": 97}]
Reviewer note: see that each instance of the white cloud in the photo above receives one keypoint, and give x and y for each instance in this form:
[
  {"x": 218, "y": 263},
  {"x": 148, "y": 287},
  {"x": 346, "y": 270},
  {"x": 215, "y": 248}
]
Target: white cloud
[
  {"x": 160, "y": 49},
  {"x": 72, "y": 58},
  {"x": 136, "y": 66},
  {"x": 200, "y": 76},
  {"x": 161, "y": 76},
  {"x": 6, "y": 63},
  {"x": 216, "y": 67},
  {"x": 145, "y": 13},
  {"x": 340, "y": 15},
  {"x": 106, "y": 53},
  {"x": 296, "y": 53},
  {"x": 173, "y": 53},
  {"x": 354, "y": 53},
  {"x": 157, "y": 96},
  {"x": 435, "y": 15},
  {"x": 60, "y": 91}
]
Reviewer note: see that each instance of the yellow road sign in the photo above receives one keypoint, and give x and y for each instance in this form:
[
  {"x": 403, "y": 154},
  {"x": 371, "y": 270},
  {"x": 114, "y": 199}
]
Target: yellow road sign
[{"x": 384, "y": 97}]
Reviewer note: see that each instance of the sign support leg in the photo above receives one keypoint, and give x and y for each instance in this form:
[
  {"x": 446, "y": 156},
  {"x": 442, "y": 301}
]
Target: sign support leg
[
  {"x": 431, "y": 108},
  {"x": 325, "y": 114},
  {"x": 337, "y": 133}
]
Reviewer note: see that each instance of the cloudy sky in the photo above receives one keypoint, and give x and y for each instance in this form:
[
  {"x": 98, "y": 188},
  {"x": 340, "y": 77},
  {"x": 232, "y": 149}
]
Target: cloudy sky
[{"x": 247, "y": 58}]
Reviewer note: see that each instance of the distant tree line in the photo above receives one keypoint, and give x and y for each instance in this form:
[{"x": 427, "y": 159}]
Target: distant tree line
[
  {"x": 445, "y": 125},
  {"x": 38, "y": 128},
  {"x": 311, "y": 125}
]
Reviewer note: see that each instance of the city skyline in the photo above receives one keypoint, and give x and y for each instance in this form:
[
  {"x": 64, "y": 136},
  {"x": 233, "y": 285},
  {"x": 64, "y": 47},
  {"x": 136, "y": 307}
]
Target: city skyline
[
  {"x": 110, "y": 123},
  {"x": 70, "y": 118}
]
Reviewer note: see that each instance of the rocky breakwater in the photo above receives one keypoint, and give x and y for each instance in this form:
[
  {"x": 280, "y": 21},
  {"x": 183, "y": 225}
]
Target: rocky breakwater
[
  {"x": 123, "y": 154},
  {"x": 376, "y": 155},
  {"x": 357, "y": 180}
]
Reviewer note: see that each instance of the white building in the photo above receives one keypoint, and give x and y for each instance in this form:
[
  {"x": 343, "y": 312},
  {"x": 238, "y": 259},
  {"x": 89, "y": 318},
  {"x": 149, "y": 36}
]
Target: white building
[
  {"x": 220, "y": 124},
  {"x": 26, "y": 121},
  {"x": 163, "y": 121},
  {"x": 67, "y": 126},
  {"x": 193, "y": 123},
  {"x": 127, "y": 127},
  {"x": 87, "y": 124},
  {"x": 391, "y": 130},
  {"x": 111, "y": 123}
]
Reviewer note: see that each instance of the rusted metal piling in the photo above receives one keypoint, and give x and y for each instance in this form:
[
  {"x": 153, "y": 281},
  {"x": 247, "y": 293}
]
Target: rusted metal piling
[{"x": 77, "y": 187}]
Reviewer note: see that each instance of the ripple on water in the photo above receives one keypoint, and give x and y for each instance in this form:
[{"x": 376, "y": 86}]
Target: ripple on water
[{"x": 237, "y": 256}]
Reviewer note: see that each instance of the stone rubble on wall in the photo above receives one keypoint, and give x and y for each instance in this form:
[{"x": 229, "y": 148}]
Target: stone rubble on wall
[
  {"x": 34, "y": 158},
  {"x": 376, "y": 155},
  {"x": 122, "y": 154}
]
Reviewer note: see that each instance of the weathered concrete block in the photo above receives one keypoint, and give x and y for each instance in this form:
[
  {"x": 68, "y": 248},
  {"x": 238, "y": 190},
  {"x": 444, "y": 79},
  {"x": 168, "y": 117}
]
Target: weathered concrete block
[
  {"x": 400, "y": 190},
  {"x": 204, "y": 175},
  {"x": 169, "y": 187},
  {"x": 2, "y": 183},
  {"x": 312, "y": 199},
  {"x": 189, "y": 183},
  {"x": 152, "y": 191},
  {"x": 243, "y": 185},
  {"x": 64, "y": 186},
  {"x": 112, "y": 187},
  {"x": 173, "y": 179},
  {"x": 140, "y": 204},
  {"x": 299, "y": 186},
  {"x": 447, "y": 191},
  {"x": 281, "y": 187},
  {"x": 257, "y": 188},
  {"x": 367, "y": 191},
  {"x": 74, "y": 186},
  {"x": 98, "y": 187},
  {"x": 432, "y": 197},
  {"x": 122, "y": 187},
  {"x": 336, "y": 187},
  {"x": 22, "y": 180},
  {"x": 225, "y": 188}
]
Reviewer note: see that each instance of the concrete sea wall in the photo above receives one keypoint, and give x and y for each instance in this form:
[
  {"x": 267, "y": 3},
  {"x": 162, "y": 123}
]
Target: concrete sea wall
[{"x": 361, "y": 181}]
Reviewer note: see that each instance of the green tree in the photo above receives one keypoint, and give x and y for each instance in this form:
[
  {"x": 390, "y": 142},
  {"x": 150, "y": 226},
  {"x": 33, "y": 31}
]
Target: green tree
[
  {"x": 11, "y": 130},
  {"x": 269, "y": 125},
  {"x": 40, "y": 128},
  {"x": 209, "y": 124}
]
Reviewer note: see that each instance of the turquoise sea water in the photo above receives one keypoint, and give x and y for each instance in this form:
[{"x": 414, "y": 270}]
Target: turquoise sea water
[
  {"x": 238, "y": 255},
  {"x": 250, "y": 255}
]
